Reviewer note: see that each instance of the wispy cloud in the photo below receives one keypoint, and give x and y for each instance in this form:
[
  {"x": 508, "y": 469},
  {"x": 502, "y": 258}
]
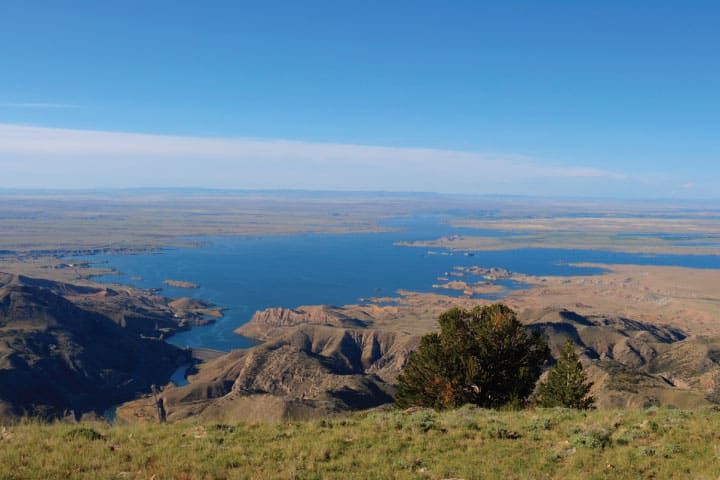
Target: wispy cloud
[
  {"x": 52, "y": 157},
  {"x": 37, "y": 105}
]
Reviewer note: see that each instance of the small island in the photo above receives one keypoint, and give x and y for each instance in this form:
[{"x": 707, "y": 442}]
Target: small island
[{"x": 181, "y": 284}]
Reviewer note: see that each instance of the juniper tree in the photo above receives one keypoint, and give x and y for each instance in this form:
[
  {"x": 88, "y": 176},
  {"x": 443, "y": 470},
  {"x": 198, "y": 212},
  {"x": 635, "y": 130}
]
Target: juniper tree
[
  {"x": 484, "y": 356},
  {"x": 566, "y": 384}
]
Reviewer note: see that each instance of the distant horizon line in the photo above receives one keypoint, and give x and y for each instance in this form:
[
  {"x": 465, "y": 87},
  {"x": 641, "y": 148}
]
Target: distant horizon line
[{"x": 326, "y": 192}]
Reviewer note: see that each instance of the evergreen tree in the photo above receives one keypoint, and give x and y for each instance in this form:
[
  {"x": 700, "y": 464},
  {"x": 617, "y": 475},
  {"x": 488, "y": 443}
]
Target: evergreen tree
[
  {"x": 566, "y": 384},
  {"x": 483, "y": 356}
]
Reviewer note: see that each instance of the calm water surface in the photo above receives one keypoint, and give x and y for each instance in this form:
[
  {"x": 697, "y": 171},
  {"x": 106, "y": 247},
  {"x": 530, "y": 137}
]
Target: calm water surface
[{"x": 246, "y": 274}]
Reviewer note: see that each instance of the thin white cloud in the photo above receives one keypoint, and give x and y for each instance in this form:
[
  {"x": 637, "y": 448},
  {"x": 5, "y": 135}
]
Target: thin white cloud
[
  {"x": 37, "y": 105},
  {"x": 586, "y": 172},
  {"x": 54, "y": 157}
]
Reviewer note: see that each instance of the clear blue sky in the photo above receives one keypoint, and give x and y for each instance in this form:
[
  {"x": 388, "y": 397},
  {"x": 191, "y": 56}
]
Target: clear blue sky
[{"x": 615, "y": 98}]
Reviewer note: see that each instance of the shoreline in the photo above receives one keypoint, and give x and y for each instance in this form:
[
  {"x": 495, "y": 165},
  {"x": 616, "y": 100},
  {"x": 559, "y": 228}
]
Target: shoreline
[
  {"x": 598, "y": 297},
  {"x": 465, "y": 243}
]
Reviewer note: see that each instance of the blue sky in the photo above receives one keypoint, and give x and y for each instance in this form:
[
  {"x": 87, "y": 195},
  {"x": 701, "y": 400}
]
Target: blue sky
[{"x": 603, "y": 98}]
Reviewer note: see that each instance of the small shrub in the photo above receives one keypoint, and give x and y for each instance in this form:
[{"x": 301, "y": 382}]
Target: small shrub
[
  {"x": 573, "y": 430},
  {"x": 425, "y": 422},
  {"x": 84, "y": 433},
  {"x": 471, "y": 425},
  {"x": 671, "y": 449},
  {"x": 648, "y": 451},
  {"x": 631, "y": 434},
  {"x": 541, "y": 424},
  {"x": 221, "y": 427},
  {"x": 325, "y": 423},
  {"x": 504, "y": 434},
  {"x": 592, "y": 439}
]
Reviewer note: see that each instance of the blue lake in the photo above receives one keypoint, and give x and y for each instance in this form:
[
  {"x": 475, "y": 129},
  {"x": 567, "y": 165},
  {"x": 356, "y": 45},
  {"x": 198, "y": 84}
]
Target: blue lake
[{"x": 246, "y": 274}]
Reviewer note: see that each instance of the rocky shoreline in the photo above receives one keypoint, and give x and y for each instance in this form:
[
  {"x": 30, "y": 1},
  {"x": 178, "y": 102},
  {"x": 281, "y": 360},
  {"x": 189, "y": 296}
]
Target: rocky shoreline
[{"x": 317, "y": 360}]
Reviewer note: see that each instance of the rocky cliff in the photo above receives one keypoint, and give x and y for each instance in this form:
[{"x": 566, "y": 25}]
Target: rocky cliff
[
  {"x": 57, "y": 358},
  {"x": 274, "y": 322},
  {"x": 314, "y": 363},
  {"x": 633, "y": 363},
  {"x": 310, "y": 371}
]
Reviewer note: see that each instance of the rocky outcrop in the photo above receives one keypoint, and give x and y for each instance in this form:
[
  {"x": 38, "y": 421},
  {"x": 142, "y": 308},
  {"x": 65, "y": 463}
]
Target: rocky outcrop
[
  {"x": 628, "y": 342},
  {"x": 311, "y": 371},
  {"x": 150, "y": 315},
  {"x": 633, "y": 363},
  {"x": 275, "y": 322},
  {"x": 313, "y": 364},
  {"x": 56, "y": 357},
  {"x": 136, "y": 310}
]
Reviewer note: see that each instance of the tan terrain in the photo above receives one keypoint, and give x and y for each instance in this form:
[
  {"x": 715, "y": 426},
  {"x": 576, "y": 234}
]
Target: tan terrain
[{"x": 648, "y": 336}]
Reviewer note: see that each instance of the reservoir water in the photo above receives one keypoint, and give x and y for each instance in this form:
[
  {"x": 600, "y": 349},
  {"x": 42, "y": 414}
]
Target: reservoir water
[{"x": 246, "y": 274}]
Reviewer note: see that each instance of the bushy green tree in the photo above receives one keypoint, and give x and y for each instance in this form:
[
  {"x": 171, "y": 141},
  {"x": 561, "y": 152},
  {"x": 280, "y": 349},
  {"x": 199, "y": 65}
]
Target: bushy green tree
[
  {"x": 484, "y": 356},
  {"x": 566, "y": 384}
]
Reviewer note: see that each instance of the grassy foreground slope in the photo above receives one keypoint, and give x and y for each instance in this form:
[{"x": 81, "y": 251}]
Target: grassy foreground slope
[{"x": 468, "y": 443}]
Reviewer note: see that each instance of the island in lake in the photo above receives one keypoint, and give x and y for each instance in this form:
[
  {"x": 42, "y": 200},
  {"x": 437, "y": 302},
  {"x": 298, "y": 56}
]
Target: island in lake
[{"x": 181, "y": 284}]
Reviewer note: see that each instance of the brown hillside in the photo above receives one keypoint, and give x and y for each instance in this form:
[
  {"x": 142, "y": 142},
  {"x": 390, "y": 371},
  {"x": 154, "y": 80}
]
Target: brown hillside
[
  {"x": 56, "y": 357},
  {"x": 311, "y": 371}
]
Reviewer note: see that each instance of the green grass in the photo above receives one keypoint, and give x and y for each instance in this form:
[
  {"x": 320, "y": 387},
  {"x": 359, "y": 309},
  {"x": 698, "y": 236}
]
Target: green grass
[{"x": 467, "y": 443}]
